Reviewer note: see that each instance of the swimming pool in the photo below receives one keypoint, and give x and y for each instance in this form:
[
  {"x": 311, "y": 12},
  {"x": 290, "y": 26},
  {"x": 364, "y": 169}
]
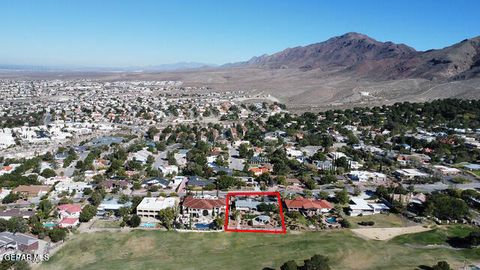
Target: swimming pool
[
  {"x": 49, "y": 224},
  {"x": 148, "y": 225},
  {"x": 202, "y": 226},
  {"x": 331, "y": 220}
]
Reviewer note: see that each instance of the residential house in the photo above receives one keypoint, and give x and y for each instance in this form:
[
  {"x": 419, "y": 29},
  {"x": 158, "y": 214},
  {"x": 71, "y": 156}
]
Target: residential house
[
  {"x": 218, "y": 169},
  {"x": 151, "y": 206},
  {"x": 257, "y": 171},
  {"x": 68, "y": 222},
  {"x": 168, "y": 169},
  {"x": 31, "y": 191},
  {"x": 363, "y": 176},
  {"x": 410, "y": 173},
  {"x": 110, "y": 184},
  {"x": 9, "y": 213},
  {"x": 156, "y": 181},
  {"x": 69, "y": 210},
  {"x": 324, "y": 165},
  {"x": 197, "y": 181},
  {"x": 308, "y": 206},
  {"x": 472, "y": 167},
  {"x": 111, "y": 205},
  {"x": 446, "y": 171},
  {"x": 140, "y": 156},
  {"x": 8, "y": 169},
  {"x": 261, "y": 220},
  {"x": 70, "y": 186},
  {"x": 359, "y": 206},
  {"x": 205, "y": 205},
  {"x": 18, "y": 241},
  {"x": 251, "y": 204}
]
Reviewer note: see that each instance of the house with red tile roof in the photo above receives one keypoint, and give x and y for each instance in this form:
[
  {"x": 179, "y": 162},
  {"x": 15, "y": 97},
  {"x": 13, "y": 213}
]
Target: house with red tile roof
[
  {"x": 257, "y": 171},
  {"x": 309, "y": 206},
  {"x": 69, "y": 210},
  {"x": 203, "y": 205},
  {"x": 8, "y": 169},
  {"x": 68, "y": 222}
]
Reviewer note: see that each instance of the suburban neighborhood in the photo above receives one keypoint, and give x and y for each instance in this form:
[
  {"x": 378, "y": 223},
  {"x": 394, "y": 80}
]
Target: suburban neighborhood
[{"x": 92, "y": 164}]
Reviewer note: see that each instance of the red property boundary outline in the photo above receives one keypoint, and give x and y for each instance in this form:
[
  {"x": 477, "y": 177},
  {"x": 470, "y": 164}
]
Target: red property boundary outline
[{"x": 280, "y": 208}]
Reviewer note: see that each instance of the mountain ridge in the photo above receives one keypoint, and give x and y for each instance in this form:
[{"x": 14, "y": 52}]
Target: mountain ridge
[{"x": 360, "y": 55}]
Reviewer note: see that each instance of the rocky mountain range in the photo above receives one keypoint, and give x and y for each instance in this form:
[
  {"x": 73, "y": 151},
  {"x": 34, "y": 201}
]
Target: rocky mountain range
[
  {"x": 345, "y": 71},
  {"x": 359, "y": 55}
]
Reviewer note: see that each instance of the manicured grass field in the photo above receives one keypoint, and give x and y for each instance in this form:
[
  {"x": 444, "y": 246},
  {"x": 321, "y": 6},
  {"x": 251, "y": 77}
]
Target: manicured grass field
[
  {"x": 437, "y": 236},
  {"x": 173, "y": 250}
]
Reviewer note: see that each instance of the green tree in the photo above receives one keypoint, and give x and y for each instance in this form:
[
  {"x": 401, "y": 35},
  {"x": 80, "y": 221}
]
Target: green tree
[
  {"x": 47, "y": 173},
  {"x": 88, "y": 212},
  {"x": 134, "y": 221},
  {"x": 342, "y": 196},
  {"x": 166, "y": 216},
  {"x": 96, "y": 198},
  {"x": 57, "y": 234},
  {"x": 218, "y": 222},
  {"x": 290, "y": 265},
  {"x": 442, "y": 265},
  {"x": 317, "y": 262},
  {"x": 220, "y": 161},
  {"x": 151, "y": 132},
  {"x": 17, "y": 224},
  {"x": 444, "y": 206},
  {"x": 10, "y": 198},
  {"x": 243, "y": 150},
  {"x": 45, "y": 206},
  {"x": 310, "y": 183},
  {"x": 124, "y": 211},
  {"x": 150, "y": 160},
  {"x": 327, "y": 179},
  {"x": 225, "y": 182},
  {"x": 171, "y": 158}
]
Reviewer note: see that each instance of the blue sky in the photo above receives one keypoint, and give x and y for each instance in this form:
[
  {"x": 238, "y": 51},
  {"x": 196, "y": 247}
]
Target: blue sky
[{"x": 137, "y": 33}]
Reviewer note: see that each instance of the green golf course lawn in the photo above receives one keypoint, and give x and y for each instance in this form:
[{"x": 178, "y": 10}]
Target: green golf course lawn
[{"x": 174, "y": 250}]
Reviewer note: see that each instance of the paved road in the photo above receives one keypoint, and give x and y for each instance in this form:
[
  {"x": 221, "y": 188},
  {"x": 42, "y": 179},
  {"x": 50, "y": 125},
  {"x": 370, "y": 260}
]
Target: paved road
[
  {"x": 442, "y": 186},
  {"x": 161, "y": 158},
  {"x": 235, "y": 163}
]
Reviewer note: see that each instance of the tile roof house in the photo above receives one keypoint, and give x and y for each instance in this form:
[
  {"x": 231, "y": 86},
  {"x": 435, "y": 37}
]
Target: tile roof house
[
  {"x": 257, "y": 171},
  {"x": 8, "y": 169},
  {"x": 308, "y": 205},
  {"x": 110, "y": 184},
  {"x": 203, "y": 205},
  {"x": 68, "y": 222},
  {"x": 9, "y": 213},
  {"x": 32, "y": 190},
  {"x": 69, "y": 210}
]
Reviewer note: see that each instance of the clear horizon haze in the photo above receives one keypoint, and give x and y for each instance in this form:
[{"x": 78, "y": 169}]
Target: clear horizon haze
[{"x": 146, "y": 33}]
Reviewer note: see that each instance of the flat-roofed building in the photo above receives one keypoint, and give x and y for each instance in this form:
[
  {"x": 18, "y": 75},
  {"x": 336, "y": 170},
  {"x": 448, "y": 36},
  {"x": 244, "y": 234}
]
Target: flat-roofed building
[{"x": 151, "y": 206}]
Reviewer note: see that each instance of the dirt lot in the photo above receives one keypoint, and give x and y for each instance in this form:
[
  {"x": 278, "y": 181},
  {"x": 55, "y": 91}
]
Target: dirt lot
[{"x": 388, "y": 233}]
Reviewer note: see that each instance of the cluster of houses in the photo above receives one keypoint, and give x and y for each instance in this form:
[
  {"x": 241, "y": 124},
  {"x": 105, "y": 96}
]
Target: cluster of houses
[{"x": 163, "y": 176}]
